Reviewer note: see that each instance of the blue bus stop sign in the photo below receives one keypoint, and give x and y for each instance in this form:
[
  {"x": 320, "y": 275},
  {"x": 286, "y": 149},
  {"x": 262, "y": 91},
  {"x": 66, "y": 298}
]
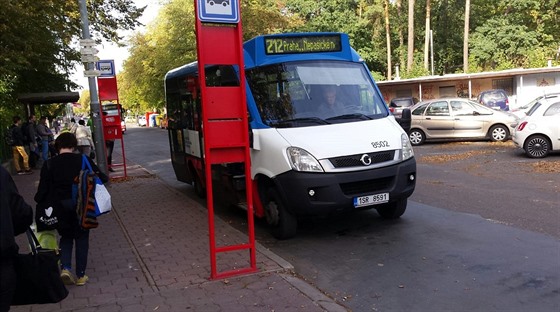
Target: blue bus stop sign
[{"x": 218, "y": 11}]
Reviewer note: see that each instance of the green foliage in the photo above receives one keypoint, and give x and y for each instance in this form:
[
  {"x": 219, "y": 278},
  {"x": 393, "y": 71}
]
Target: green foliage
[
  {"x": 500, "y": 45},
  {"x": 503, "y": 34},
  {"x": 38, "y": 42},
  {"x": 169, "y": 42}
]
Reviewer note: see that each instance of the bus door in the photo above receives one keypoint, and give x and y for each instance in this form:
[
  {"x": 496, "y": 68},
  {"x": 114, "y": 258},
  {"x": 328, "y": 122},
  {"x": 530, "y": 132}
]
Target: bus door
[{"x": 184, "y": 125}]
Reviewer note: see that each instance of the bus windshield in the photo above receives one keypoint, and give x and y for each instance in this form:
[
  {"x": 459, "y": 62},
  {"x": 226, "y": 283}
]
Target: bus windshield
[{"x": 308, "y": 93}]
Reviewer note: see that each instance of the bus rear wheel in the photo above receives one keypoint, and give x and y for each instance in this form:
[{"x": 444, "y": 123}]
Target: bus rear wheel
[
  {"x": 283, "y": 224},
  {"x": 199, "y": 189}
]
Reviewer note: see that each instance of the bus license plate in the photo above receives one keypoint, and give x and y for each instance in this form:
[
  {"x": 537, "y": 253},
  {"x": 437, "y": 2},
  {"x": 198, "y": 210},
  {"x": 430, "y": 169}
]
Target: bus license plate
[{"x": 371, "y": 200}]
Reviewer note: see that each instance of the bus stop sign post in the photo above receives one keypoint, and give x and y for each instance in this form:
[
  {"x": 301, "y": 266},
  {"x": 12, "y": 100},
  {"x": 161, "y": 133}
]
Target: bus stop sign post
[
  {"x": 224, "y": 118},
  {"x": 94, "y": 101}
]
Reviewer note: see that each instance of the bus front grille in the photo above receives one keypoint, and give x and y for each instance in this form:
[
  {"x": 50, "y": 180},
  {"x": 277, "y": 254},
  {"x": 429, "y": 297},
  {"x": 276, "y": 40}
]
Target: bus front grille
[{"x": 356, "y": 160}]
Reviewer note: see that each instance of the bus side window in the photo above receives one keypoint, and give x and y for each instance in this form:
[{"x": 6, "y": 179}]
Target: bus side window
[{"x": 221, "y": 76}]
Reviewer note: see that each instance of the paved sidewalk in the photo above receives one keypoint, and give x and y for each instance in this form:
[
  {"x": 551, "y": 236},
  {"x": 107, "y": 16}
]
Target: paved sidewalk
[{"x": 151, "y": 254}]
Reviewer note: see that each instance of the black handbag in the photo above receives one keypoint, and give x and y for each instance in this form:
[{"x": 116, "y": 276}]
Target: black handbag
[
  {"x": 54, "y": 214},
  {"x": 47, "y": 216},
  {"x": 38, "y": 275}
]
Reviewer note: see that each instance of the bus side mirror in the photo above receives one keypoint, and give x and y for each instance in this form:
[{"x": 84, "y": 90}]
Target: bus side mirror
[
  {"x": 406, "y": 120},
  {"x": 250, "y": 138}
]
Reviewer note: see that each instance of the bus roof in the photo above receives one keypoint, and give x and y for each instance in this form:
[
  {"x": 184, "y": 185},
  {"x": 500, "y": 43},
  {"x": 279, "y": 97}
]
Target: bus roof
[{"x": 278, "y": 48}]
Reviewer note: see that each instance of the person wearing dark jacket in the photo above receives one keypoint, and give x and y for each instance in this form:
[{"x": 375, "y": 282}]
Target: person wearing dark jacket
[
  {"x": 55, "y": 184},
  {"x": 34, "y": 152},
  {"x": 45, "y": 133},
  {"x": 18, "y": 149},
  {"x": 15, "y": 218}
]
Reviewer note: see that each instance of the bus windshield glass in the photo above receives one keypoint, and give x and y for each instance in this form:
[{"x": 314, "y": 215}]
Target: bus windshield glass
[{"x": 308, "y": 93}]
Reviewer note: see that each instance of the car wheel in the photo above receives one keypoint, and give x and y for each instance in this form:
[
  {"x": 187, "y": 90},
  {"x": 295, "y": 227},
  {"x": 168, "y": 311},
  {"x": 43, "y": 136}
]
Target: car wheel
[
  {"x": 416, "y": 137},
  {"x": 392, "y": 210},
  {"x": 499, "y": 133},
  {"x": 283, "y": 225},
  {"x": 537, "y": 146}
]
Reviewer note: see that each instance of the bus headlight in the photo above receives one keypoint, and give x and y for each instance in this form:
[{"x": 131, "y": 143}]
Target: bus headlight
[
  {"x": 407, "y": 151},
  {"x": 301, "y": 160}
]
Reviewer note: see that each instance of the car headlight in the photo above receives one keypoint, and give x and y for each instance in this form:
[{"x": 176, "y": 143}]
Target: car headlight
[
  {"x": 301, "y": 160},
  {"x": 407, "y": 151}
]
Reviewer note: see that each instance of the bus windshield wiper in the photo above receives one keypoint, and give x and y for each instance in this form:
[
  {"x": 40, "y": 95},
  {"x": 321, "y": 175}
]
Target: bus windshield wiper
[
  {"x": 296, "y": 120},
  {"x": 351, "y": 116}
]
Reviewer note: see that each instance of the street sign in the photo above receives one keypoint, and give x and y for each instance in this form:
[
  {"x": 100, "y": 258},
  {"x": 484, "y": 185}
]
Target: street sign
[
  {"x": 218, "y": 11},
  {"x": 88, "y": 51},
  {"x": 106, "y": 67},
  {"x": 87, "y": 42},
  {"x": 89, "y": 58},
  {"x": 91, "y": 73}
]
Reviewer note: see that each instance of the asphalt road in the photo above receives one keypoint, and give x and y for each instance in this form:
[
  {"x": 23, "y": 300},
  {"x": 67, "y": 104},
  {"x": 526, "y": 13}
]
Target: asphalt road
[{"x": 481, "y": 233}]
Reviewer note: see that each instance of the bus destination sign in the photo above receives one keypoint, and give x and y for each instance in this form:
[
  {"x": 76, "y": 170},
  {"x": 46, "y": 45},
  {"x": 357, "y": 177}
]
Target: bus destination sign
[{"x": 302, "y": 44}]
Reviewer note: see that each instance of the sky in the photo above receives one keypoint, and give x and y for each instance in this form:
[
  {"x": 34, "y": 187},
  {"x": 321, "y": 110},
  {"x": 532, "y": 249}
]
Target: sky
[{"x": 109, "y": 51}]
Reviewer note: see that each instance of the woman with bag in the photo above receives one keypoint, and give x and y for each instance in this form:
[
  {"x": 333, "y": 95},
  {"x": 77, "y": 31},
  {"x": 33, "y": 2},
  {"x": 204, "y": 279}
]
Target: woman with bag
[
  {"x": 55, "y": 185},
  {"x": 15, "y": 218}
]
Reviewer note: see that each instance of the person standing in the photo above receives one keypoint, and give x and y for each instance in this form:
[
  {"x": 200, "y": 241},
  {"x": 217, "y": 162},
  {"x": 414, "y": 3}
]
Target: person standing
[
  {"x": 55, "y": 183},
  {"x": 73, "y": 125},
  {"x": 110, "y": 145},
  {"x": 56, "y": 125},
  {"x": 44, "y": 132},
  {"x": 31, "y": 130},
  {"x": 18, "y": 149},
  {"x": 15, "y": 218},
  {"x": 85, "y": 140}
]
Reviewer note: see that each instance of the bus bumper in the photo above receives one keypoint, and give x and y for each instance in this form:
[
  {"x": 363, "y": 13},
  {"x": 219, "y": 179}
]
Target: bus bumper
[{"x": 308, "y": 194}]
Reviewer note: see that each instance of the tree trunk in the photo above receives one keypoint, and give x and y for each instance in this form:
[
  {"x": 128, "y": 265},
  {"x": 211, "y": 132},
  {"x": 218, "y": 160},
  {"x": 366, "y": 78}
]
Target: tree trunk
[
  {"x": 466, "y": 37},
  {"x": 401, "y": 35},
  {"x": 410, "y": 53},
  {"x": 427, "y": 38},
  {"x": 388, "y": 31}
]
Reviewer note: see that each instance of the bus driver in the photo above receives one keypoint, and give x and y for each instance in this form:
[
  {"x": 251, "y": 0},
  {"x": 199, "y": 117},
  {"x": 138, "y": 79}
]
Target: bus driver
[{"x": 331, "y": 106}]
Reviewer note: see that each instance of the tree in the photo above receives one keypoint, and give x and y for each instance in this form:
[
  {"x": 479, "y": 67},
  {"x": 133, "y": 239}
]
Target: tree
[
  {"x": 38, "y": 40},
  {"x": 388, "y": 32},
  {"x": 427, "y": 35},
  {"x": 410, "y": 53},
  {"x": 466, "y": 37}
]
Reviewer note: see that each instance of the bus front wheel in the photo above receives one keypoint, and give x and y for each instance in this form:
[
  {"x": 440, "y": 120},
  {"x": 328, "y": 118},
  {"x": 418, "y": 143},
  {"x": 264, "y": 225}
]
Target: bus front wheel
[
  {"x": 392, "y": 210},
  {"x": 282, "y": 223}
]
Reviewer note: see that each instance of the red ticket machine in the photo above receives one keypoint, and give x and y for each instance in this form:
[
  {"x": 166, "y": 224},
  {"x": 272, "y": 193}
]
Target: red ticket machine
[{"x": 111, "y": 111}]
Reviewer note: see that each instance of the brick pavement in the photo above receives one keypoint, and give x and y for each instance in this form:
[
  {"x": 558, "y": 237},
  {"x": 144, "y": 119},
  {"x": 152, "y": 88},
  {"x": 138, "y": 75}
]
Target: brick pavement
[{"x": 151, "y": 254}]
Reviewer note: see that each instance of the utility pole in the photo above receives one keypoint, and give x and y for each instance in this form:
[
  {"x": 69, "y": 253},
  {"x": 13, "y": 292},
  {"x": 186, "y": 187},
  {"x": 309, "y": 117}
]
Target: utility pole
[{"x": 95, "y": 107}]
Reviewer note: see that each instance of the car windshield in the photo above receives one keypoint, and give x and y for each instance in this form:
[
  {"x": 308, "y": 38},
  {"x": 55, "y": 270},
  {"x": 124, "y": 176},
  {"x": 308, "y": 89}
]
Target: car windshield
[
  {"x": 534, "y": 108},
  {"x": 402, "y": 102},
  {"x": 310, "y": 93}
]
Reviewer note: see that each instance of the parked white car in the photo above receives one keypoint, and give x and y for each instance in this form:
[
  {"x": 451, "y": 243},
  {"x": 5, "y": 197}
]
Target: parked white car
[
  {"x": 522, "y": 110},
  {"x": 539, "y": 132}
]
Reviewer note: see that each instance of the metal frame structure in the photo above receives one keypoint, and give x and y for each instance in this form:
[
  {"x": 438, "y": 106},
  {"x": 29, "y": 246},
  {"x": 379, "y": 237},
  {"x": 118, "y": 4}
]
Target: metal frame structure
[{"x": 225, "y": 124}]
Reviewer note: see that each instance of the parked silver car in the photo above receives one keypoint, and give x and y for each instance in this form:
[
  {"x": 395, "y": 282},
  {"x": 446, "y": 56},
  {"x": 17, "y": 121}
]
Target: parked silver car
[{"x": 458, "y": 118}]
